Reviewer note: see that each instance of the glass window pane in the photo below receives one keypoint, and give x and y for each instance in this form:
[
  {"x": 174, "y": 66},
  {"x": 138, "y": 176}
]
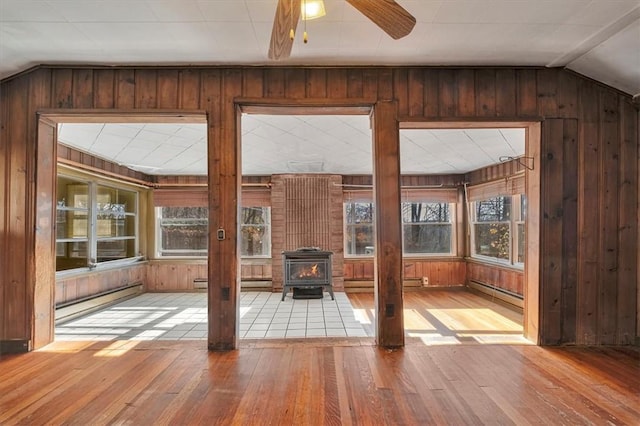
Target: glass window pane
[
  {"x": 255, "y": 233},
  {"x": 115, "y": 249},
  {"x": 184, "y": 231},
  {"x": 71, "y": 255},
  {"x": 496, "y": 209},
  {"x": 521, "y": 243},
  {"x": 432, "y": 238},
  {"x": 425, "y": 212},
  {"x": 359, "y": 212},
  {"x": 185, "y": 212},
  {"x": 359, "y": 240},
  {"x": 492, "y": 239},
  {"x": 254, "y": 241}
]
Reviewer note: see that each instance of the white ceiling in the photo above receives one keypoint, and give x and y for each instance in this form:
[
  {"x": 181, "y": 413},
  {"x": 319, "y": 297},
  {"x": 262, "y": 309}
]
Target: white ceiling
[
  {"x": 598, "y": 38},
  {"x": 273, "y": 144}
]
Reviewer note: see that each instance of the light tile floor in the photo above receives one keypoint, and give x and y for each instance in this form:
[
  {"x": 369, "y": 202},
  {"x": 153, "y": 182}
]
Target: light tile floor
[{"x": 183, "y": 316}]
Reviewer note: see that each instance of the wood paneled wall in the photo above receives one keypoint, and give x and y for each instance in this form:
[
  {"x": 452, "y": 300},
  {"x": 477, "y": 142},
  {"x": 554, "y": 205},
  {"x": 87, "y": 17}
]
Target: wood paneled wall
[
  {"x": 98, "y": 282},
  {"x": 589, "y": 275},
  {"x": 174, "y": 275},
  {"x": 438, "y": 272},
  {"x": 509, "y": 279}
]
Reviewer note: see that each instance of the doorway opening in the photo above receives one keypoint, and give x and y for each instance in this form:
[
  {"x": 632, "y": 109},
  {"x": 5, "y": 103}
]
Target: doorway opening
[
  {"x": 130, "y": 207},
  {"x": 298, "y": 232}
]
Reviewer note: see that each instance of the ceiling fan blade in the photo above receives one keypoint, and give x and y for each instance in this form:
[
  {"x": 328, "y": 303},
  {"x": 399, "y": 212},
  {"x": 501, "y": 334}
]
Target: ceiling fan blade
[
  {"x": 392, "y": 18},
  {"x": 286, "y": 19}
]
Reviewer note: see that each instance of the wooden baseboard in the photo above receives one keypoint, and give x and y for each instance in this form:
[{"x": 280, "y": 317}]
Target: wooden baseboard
[{"x": 14, "y": 346}]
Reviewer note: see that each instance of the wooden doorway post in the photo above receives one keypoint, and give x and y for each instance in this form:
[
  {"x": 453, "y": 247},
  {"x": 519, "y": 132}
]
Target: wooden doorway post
[{"x": 388, "y": 265}]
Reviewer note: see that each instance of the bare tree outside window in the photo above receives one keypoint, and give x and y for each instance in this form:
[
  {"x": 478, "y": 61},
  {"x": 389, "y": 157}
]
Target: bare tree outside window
[
  {"x": 359, "y": 229},
  {"x": 427, "y": 228},
  {"x": 255, "y": 232},
  {"x": 184, "y": 231}
]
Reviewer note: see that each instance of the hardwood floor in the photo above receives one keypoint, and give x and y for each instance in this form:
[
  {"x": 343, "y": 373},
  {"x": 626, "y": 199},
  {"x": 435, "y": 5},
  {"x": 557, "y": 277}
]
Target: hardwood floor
[
  {"x": 324, "y": 381},
  {"x": 449, "y": 317}
]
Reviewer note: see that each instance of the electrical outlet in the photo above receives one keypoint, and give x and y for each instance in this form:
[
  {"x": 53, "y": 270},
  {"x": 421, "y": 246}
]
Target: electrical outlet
[{"x": 425, "y": 281}]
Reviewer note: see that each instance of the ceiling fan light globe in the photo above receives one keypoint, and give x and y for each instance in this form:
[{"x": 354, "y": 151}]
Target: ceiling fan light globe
[{"x": 312, "y": 9}]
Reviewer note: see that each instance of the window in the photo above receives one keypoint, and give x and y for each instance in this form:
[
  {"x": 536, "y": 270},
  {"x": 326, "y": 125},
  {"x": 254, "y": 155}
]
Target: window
[
  {"x": 95, "y": 223},
  {"x": 359, "y": 237},
  {"x": 182, "y": 231},
  {"x": 427, "y": 228},
  {"x": 498, "y": 226},
  {"x": 255, "y": 232}
]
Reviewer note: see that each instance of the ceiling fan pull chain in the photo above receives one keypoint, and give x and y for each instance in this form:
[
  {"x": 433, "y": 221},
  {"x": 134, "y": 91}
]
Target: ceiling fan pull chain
[
  {"x": 304, "y": 16},
  {"x": 292, "y": 33}
]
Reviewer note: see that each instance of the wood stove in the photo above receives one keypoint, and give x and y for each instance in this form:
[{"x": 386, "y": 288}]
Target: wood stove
[{"x": 305, "y": 269}]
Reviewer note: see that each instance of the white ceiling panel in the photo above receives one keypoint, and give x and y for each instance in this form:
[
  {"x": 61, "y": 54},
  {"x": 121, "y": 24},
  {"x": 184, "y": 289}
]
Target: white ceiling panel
[
  {"x": 598, "y": 38},
  {"x": 273, "y": 144}
]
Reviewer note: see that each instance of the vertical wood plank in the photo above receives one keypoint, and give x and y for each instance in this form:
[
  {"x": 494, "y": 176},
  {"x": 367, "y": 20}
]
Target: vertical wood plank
[
  {"x": 628, "y": 226},
  {"x": 337, "y": 83},
  {"x": 252, "y": 85},
  {"x": 211, "y": 102},
  {"x": 125, "y": 88},
  {"x": 5, "y": 181},
  {"x": 295, "y": 84},
  {"x": 83, "y": 88},
  {"x": 485, "y": 93},
  {"x": 447, "y": 93},
  {"x": 547, "y": 87},
  {"x": 506, "y": 93},
  {"x": 465, "y": 93},
  {"x": 608, "y": 171},
  {"x": 104, "y": 81},
  {"x": 62, "y": 88},
  {"x": 532, "y": 268},
  {"x": 552, "y": 231},
  {"x": 401, "y": 90},
  {"x": 167, "y": 89},
  {"x": 16, "y": 313},
  {"x": 370, "y": 83},
  {"x": 189, "y": 89},
  {"x": 416, "y": 92},
  {"x": 274, "y": 83},
  {"x": 316, "y": 83},
  {"x": 385, "y": 84},
  {"x": 567, "y": 95},
  {"x": 588, "y": 216},
  {"x": 146, "y": 89},
  {"x": 355, "y": 83},
  {"x": 431, "y": 96},
  {"x": 526, "y": 94},
  {"x": 569, "y": 229},
  {"x": 42, "y": 259},
  {"x": 388, "y": 292}
]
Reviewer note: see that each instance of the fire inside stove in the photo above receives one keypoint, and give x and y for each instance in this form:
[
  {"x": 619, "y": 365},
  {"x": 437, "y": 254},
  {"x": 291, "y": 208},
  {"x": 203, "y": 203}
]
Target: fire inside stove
[
  {"x": 306, "y": 269},
  {"x": 301, "y": 271}
]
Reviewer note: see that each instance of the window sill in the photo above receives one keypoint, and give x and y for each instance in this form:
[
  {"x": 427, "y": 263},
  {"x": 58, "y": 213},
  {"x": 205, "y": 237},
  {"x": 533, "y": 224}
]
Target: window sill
[
  {"x": 107, "y": 266},
  {"x": 494, "y": 263}
]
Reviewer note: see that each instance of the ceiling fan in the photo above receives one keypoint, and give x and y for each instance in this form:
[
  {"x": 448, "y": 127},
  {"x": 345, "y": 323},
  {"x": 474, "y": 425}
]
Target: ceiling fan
[{"x": 386, "y": 14}]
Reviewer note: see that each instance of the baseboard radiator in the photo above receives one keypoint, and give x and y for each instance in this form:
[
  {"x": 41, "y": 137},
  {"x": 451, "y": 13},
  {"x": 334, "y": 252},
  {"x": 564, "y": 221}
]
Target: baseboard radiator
[
  {"x": 497, "y": 293},
  {"x": 76, "y": 308}
]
